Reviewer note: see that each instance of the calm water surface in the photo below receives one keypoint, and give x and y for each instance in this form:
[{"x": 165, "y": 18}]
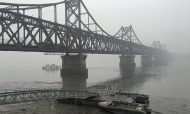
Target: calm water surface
[{"x": 19, "y": 69}]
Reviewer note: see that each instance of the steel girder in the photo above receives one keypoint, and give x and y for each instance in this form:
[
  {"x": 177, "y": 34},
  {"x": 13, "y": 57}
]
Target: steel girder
[
  {"x": 54, "y": 37},
  {"x": 19, "y": 32}
]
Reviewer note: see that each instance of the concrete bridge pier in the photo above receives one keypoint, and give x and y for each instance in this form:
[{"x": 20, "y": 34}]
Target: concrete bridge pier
[
  {"x": 146, "y": 61},
  {"x": 160, "y": 60},
  {"x": 74, "y": 72},
  {"x": 127, "y": 64}
]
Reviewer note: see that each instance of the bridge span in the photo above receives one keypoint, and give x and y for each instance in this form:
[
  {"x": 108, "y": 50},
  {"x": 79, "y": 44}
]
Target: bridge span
[
  {"x": 20, "y": 31},
  {"x": 80, "y": 33}
]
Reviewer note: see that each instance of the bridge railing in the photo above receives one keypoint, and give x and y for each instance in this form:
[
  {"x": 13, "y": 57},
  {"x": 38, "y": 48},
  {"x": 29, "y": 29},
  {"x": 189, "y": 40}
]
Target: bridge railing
[{"x": 36, "y": 95}]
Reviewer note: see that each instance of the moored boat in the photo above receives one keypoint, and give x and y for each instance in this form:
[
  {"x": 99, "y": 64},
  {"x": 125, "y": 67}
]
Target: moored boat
[
  {"x": 137, "y": 98},
  {"x": 118, "y": 107},
  {"x": 51, "y": 67}
]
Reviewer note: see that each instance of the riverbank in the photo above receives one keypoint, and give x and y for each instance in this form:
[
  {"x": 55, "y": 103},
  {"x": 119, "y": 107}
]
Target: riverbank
[{"x": 158, "y": 104}]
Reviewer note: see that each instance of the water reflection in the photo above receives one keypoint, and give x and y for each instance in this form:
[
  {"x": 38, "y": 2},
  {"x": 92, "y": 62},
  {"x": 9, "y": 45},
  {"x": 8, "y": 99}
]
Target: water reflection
[
  {"x": 135, "y": 82},
  {"x": 132, "y": 82},
  {"x": 75, "y": 109}
]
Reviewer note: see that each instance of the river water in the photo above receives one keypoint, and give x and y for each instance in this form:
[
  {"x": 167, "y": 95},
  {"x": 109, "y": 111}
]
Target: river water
[{"x": 168, "y": 86}]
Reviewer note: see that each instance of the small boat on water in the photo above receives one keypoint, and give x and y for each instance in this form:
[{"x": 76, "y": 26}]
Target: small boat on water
[
  {"x": 118, "y": 107},
  {"x": 51, "y": 67}
]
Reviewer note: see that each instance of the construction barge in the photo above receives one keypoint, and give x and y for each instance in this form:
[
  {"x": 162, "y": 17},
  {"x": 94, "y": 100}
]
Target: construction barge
[{"x": 118, "y": 103}]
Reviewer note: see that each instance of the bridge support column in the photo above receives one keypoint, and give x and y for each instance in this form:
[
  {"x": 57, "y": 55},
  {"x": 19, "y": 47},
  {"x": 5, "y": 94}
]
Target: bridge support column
[
  {"x": 157, "y": 61},
  {"x": 127, "y": 63},
  {"x": 146, "y": 61},
  {"x": 160, "y": 60},
  {"x": 74, "y": 72}
]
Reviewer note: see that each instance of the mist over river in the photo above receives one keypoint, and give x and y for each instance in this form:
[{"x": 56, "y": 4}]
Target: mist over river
[{"x": 168, "y": 86}]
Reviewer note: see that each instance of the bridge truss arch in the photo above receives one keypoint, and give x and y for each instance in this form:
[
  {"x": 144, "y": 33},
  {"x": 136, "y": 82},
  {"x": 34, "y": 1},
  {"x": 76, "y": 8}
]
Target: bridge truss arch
[{"x": 80, "y": 33}]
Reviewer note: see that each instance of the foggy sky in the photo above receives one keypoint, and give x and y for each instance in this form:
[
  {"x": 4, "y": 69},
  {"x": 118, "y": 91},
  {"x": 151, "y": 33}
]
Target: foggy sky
[{"x": 165, "y": 20}]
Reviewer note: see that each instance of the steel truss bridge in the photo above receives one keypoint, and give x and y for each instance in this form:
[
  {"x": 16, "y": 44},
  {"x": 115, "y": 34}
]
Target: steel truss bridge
[
  {"x": 12, "y": 97},
  {"x": 80, "y": 33}
]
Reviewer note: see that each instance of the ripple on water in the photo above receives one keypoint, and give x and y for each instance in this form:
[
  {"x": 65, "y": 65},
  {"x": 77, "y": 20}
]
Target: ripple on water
[{"x": 161, "y": 105}]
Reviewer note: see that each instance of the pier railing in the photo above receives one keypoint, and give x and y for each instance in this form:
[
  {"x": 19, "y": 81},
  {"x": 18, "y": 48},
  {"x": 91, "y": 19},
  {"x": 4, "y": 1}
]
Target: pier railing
[{"x": 12, "y": 97}]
